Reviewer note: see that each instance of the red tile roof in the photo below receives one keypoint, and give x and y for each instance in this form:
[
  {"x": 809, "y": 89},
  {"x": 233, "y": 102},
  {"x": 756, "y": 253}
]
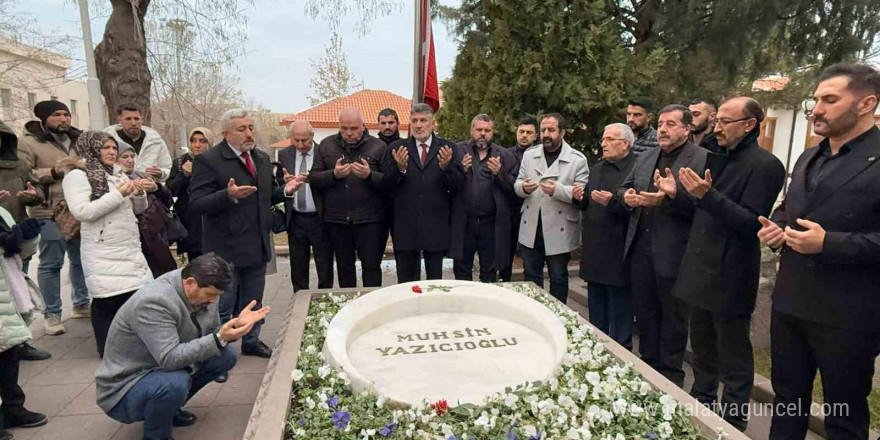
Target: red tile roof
[
  {"x": 770, "y": 84},
  {"x": 371, "y": 102}
]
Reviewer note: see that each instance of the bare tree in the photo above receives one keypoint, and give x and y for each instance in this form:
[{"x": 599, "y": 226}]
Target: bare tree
[
  {"x": 332, "y": 11},
  {"x": 218, "y": 27},
  {"x": 332, "y": 77}
]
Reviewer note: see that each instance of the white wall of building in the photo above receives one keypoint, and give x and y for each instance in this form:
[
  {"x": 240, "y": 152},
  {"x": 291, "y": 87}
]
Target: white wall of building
[{"x": 33, "y": 76}]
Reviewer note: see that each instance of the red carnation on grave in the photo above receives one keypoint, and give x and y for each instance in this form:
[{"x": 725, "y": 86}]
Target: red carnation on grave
[
  {"x": 441, "y": 407},
  {"x": 417, "y": 289}
]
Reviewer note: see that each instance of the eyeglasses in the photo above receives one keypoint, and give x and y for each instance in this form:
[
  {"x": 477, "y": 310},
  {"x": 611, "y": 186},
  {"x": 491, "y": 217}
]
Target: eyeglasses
[{"x": 729, "y": 121}]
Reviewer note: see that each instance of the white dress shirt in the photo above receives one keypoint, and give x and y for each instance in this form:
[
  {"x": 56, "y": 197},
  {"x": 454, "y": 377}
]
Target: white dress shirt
[{"x": 310, "y": 201}]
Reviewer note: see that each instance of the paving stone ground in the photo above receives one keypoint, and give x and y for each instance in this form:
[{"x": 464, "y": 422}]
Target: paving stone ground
[{"x": 63, "y": 387}]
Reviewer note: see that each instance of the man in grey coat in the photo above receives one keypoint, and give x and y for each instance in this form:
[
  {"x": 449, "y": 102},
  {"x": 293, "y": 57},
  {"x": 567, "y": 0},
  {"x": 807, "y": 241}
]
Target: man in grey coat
[{"x": 166, "y": 343}]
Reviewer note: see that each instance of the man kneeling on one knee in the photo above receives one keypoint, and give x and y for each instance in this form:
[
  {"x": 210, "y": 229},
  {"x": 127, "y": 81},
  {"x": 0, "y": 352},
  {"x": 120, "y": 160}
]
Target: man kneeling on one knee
[{"x": 166, "y": 343}]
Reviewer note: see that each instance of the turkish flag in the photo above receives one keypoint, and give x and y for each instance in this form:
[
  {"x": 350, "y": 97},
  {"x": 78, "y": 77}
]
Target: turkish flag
[{"x": 431, "y": 90}]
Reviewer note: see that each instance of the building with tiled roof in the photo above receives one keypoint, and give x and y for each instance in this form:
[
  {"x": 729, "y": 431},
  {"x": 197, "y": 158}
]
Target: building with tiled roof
[{"x": 324, "y": 117}]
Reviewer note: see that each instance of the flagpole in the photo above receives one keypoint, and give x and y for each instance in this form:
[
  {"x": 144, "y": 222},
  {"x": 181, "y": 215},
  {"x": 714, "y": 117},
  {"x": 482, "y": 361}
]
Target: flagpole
[{"x": 417, "y": 52}]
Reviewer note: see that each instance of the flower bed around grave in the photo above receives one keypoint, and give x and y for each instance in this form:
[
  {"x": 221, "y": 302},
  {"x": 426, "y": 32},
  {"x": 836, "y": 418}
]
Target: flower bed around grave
[{"x": 592, "y": 396}]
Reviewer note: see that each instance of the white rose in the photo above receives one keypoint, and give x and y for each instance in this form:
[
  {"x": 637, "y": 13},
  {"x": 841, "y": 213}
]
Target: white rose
[
  {"x": 324, "y": 371},
  {"x": 296, "y": 375},
  {"x": 593, "y": 378}
]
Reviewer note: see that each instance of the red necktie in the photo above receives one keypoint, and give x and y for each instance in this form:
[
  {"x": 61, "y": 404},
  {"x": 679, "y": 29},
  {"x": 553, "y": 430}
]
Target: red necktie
[
  {"x": 424, "y": 155},
  {"x": 249, "y": 164}
]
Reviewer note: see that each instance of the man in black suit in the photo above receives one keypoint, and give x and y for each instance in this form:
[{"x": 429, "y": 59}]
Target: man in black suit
[
  {"x": 349, "y": 176},
  {"x": 481, "y": 208},
  {"x": 526, "y": 135},
  {"x": 603, "y": 232},
  {"x": 233, "y": 188},
  {"x": 306, "y": 234},
  {"x": 721, "y": 266},
  {"x": 426, "y": 176},
  {"x": 826, "y": 307},
  {"x": 659, "y": 226}
]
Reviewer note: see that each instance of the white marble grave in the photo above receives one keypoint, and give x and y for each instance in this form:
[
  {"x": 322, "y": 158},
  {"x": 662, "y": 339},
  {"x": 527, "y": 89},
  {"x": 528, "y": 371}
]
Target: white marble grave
[{"x": 457, "y": 340}]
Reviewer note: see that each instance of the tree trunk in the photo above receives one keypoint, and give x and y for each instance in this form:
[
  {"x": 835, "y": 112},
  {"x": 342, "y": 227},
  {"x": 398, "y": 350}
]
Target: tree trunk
[{"x": 121, "y": 58}]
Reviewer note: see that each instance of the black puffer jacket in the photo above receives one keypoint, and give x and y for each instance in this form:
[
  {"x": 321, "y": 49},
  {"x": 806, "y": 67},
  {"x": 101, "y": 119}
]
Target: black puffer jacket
[{"x": 351, "y": 200}]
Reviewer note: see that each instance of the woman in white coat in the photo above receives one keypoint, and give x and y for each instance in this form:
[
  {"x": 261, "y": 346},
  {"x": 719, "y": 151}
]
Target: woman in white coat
[{"x": 105, "y": 202}]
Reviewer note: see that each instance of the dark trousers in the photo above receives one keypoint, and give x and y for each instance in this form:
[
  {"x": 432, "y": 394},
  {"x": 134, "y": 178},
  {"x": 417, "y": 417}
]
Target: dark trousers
[
  {"x": 722, "y": 350},
  {"x": 661, "y": 318},
  {"x": 158, "y": 256},
  {"x": 557, "y": 266},
  {"x": 844, "y": 359},
  {"x": 409, "y": 265},
  {"x": 367, "y": 242},
  {"x": 103, "y": 312},
  {"x": 506, "y": 272},
  {"x": 306, "y": 235},
  {"x": 10, "y": 392},
  {"x": 247, "y": 285},
  {"x": 160, "y": 394},
  {"x": 479, "y": 238},
  {"x": 611, "y": 311}
]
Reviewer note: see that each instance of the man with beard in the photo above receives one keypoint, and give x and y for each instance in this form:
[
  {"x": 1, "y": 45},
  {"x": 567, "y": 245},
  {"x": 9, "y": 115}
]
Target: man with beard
[
  {"x": 825, "y": 302},
  {"x": 659, "y": 226},
  {"x": 722, "y": 264},
  {"x": 388, "y": 126},
  {"x": 550, "y": 227},
  {"x": 481, "y": 209},
  {"x": 703, "y": 127},
  {"x": 151, "y": 153},
  {"x": 426, "y": 176},
  {"x": 526, "y": 135},
  {"x": 233, "y": 188},
  {"x": 349, "y": 175},
  {"x": 639, "y": 114},
  {"x": 47, "y": 148},
  {"x": 603, "y": 232}
]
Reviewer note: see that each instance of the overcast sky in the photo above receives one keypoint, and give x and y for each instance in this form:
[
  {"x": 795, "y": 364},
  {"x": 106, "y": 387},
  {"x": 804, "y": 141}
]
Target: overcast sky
[{"x": 282, "y": 39}]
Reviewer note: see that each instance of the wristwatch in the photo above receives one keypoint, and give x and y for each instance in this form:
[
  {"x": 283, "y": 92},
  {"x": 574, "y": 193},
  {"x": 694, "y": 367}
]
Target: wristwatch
[{"x": 220, "y": 343}]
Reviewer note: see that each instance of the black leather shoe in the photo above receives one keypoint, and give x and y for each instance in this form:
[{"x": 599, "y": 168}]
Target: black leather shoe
[
  {"x": 259, "y": 349},
  {"x": 27, "y": 352},
  {"x": 22, "y": 418},
  {"x": 222, "y": 378},
  {"x": 184, "y": 418}
]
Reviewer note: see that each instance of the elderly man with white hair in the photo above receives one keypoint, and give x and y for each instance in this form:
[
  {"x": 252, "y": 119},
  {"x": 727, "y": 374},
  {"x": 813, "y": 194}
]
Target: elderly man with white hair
[
  {"x": 603, "y": 234},
  {"x": 233, "y": 188}
]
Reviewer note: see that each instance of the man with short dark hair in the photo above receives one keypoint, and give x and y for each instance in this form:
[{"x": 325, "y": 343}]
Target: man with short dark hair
[
  {"x": 166, "y": 343},
  {"x": 825, "y": 302},
  {"x": 550, "y": 227},
  {"x": 389, "y": 125},
  {"x": 151, "y": 153},
  {"x": 723, "y": 257},
  {"x": 48, "y": 149},
  {"x": 481, "y": 208},
  {"x": 349, "y": 173},
  {"x": 426, "y": 175},
  {"x": 639, "y": 115},
  {"x": 526, "y": 135},
  {"x": 703, "y": 125},
  {"x": 659, "y": 226}
]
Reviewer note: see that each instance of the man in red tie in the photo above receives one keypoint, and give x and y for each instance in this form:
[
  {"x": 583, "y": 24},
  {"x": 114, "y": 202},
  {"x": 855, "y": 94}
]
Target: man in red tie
[
  {"x": 426, "y": 176},
  {"x": 232, "y": 188}
]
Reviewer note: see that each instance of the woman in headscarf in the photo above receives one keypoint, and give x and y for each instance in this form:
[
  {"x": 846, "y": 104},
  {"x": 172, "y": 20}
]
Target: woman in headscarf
[
  {"x": 153, "y": 222},
  {"x": 178, "y": 183},
  {"x": 105, "y": 202}
]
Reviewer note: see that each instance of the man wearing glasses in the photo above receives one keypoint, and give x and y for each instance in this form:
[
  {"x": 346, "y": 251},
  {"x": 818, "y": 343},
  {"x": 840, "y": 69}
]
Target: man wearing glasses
[{"x": 722, "y": 262}]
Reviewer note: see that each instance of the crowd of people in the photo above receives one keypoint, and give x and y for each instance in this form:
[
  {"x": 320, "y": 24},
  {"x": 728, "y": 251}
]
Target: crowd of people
[{"x": 669, "y": 224}]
